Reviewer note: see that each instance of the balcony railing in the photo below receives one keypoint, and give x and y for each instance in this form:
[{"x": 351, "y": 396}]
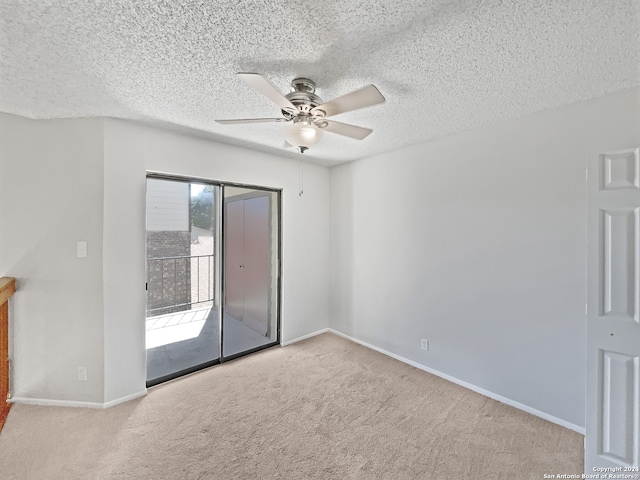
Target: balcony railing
[{"x": 176, "y": 283}]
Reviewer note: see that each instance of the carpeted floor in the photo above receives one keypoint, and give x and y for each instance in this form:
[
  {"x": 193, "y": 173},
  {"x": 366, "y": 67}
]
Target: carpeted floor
[{"x": 324, "y": 408}]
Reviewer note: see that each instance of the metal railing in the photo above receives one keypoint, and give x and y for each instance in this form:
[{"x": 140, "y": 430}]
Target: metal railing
[{"x": 176, "y": 283}]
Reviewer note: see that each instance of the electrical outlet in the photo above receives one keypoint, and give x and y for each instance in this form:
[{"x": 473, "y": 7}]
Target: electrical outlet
[
  {"x": 82, "y": 374},
  {"x": 424, "y": 344}
]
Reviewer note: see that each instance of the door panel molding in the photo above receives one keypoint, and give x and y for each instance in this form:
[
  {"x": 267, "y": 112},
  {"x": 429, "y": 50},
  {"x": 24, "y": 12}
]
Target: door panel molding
[
  {"x": 618, "y": 437},
  {"x": 620, "y": 238},
  {"x": 620, "y": 169}
]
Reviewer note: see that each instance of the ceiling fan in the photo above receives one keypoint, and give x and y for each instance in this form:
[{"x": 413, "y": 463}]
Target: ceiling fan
[{"x": 308, "y": 112}]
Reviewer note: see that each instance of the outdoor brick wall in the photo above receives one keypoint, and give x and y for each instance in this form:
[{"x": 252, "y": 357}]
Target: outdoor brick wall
[{"x": 169, "y": 280}]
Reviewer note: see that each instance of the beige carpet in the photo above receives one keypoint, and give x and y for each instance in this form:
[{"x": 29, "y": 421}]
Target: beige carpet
[{"x": 324, "y": 408}]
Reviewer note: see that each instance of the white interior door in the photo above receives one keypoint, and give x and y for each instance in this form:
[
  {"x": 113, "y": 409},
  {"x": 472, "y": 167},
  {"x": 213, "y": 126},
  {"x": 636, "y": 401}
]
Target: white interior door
[
  {"x": 248, "y": 261},
  {"x": 613, "y": 318},
  {"x": 257, "y": 263},
  {"x": 234, "y": 259}
]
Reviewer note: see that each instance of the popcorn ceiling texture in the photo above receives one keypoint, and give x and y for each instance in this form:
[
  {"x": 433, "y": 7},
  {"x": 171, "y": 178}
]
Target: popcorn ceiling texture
[{"x": 444, "y": 66}]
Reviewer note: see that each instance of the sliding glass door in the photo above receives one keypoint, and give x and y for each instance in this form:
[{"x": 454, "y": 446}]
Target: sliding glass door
[{"x": 213, "y": 253}]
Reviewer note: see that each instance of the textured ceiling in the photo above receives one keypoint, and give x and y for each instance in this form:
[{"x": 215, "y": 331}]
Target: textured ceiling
[{"x": 444, "y": 66}]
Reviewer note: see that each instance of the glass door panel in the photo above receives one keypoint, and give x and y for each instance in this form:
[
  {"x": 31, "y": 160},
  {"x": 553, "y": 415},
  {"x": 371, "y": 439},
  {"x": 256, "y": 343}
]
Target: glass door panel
[
  {"x": 251, "y": 239},
  {"x": 182, "y": 331}
]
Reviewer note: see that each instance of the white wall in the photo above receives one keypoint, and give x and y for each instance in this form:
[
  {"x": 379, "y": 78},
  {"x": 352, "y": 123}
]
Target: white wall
[
  {"x": 51, "y": 186},
  {"x": 124, "y": 262},
  {"x": 477, "y": 242}
]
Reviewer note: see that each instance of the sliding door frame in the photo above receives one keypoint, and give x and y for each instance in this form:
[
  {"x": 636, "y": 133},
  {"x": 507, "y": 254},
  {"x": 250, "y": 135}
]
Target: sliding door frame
[{"x": 220, "y": 271}]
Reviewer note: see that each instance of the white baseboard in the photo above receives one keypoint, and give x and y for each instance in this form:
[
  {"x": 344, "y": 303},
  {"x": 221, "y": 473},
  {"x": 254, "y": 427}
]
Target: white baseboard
[
  {"x": 482, "y": 391},
  {"x": 304, "y": 337},
  {"x": 47, "y": 402},
  {"x": 126, "y": 398}
]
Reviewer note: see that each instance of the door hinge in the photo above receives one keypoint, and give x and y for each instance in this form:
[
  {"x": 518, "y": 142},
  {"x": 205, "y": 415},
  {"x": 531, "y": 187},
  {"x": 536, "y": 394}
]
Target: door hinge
[
  {"x": 146, "y": 286},
  {"x": 586, "y": 308}
]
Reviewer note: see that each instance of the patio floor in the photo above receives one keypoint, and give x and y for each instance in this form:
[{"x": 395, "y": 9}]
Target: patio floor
[{"x": 182, "y": 340}]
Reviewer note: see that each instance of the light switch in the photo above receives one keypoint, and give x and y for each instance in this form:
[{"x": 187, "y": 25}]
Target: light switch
[{"x": 82, "y": 249}]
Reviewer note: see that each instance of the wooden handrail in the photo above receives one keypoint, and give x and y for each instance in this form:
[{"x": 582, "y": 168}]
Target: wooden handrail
[{"x": 7, "y": 289}]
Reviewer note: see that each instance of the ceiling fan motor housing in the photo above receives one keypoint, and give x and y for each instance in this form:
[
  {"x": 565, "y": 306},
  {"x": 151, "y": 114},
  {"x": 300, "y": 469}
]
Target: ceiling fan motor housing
[{"x": 303, "y": 96}]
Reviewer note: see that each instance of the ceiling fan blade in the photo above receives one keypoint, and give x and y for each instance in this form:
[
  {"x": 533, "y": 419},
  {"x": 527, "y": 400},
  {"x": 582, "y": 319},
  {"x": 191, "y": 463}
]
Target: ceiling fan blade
[
  {"x": 251, "y": 120},
  {"x": 344, "y": 129},
  {"x": 365, "y": 97},
  {"x": 265, "y": 87}
]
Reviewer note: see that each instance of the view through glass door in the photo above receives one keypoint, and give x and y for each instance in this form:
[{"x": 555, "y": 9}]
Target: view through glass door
[
  {"x": 189, "y": 226},
  {"x": 182, "y": 321},
  {"x": 251, "y": 263}
]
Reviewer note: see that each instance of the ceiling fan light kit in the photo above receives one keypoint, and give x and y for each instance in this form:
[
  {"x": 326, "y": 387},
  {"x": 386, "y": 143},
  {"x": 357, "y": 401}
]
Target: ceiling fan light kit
[
  {"x": 308, "y": 112},
  {"x": 303, "y": 133}
]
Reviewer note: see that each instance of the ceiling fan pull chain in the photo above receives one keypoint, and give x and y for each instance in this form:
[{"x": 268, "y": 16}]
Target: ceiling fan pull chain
[{"x": 300, "y": 178}]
